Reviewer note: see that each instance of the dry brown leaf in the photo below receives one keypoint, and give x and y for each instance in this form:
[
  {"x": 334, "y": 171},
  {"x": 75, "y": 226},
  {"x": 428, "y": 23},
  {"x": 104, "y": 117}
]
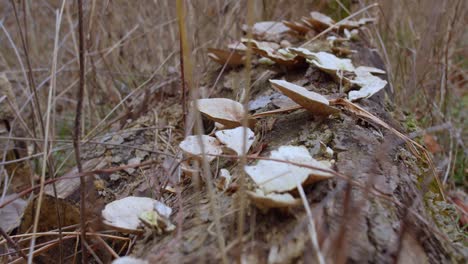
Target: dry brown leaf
[
  {"x": 431, "y": 143},
  {"x": 191, "y": 147},
  {"x": 274, "y": 176},
  {"x": 313, "y": 102},
  {"x": 272, "y": 200},
  {"x": 10, "y": 215},
  {"x": 69, "y": 213},
  {"x": 461, "y": 205},
  {"x": 230, "y": 58}
]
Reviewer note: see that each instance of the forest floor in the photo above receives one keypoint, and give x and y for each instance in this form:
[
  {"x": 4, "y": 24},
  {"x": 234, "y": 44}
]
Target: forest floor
[{"x": 392, "y": 198}]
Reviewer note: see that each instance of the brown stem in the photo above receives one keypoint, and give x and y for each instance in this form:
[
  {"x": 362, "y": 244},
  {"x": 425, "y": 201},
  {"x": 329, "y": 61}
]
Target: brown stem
[
  {"x": 32, "y": 84},
  {"x": 77, "y": 135},
  {"x": 13, "y": 244}
]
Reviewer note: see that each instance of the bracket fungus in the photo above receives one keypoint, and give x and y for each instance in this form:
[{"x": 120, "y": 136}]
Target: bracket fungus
[
  {"x": 298, "y": 27},
  {"x": 191, "y": 147},
  {"x": 274, "y": 176},
  {"x": 230, "y": 58},
  {"x": 311, "y": 101},
  {"x": 326, "y": 62},
  {"x": 330, "y": 63},
  {"x": 321, "y": 22},
  {"x": 318, "y": 21},
  {"x": 233, "y": 139},
  {"x": 269, "y": 30},
  {"x": 225, "y": 111},
  {"x": 370, "y": 85},
  {"x": 124, "y": 214},
  {"x": 272, "y": 200},
  {"x": 278, "y": 55}
]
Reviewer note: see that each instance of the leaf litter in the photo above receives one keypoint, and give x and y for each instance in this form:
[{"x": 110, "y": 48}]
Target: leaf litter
[{"x": 276, "y": 181}]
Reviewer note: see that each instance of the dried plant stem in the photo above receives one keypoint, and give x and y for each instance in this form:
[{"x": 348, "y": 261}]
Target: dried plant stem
[
  {"x": 77, "y": 133},
  {"x": 53, "y": 89},
  {"x": 198, "y": 126},
  {"x": 311, "y": 225},
  {"x": 13, "y": 244},
  {"x": 245, "y": 100},
  {"x": 185, "y": 65},
  {"x": 32, "y": 85},
  {"x": 46, "y": 164}
]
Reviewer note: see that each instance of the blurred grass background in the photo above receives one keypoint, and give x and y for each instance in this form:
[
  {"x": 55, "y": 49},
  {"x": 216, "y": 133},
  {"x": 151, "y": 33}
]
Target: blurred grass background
[{"x": 423, "y": 44}]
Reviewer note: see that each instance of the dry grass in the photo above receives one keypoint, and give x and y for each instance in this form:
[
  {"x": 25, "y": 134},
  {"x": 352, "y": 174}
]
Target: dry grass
[{"x": 131, "y": 47}]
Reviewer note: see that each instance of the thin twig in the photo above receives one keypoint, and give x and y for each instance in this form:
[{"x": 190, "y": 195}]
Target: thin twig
[
  {"x": 32, "y": 85},
  {"x": 77, "y": 135},
  {"x": 245, "y": 100},
  {"x": 312, "y": 231},
  {"x": 13, "y": 244}
]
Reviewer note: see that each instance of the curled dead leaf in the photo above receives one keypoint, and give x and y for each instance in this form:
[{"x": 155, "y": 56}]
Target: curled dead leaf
[
  {"x": 313, "y": 102},
  {"x": 10, "y": 215},
  {"x": 431, "y": 144}
]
